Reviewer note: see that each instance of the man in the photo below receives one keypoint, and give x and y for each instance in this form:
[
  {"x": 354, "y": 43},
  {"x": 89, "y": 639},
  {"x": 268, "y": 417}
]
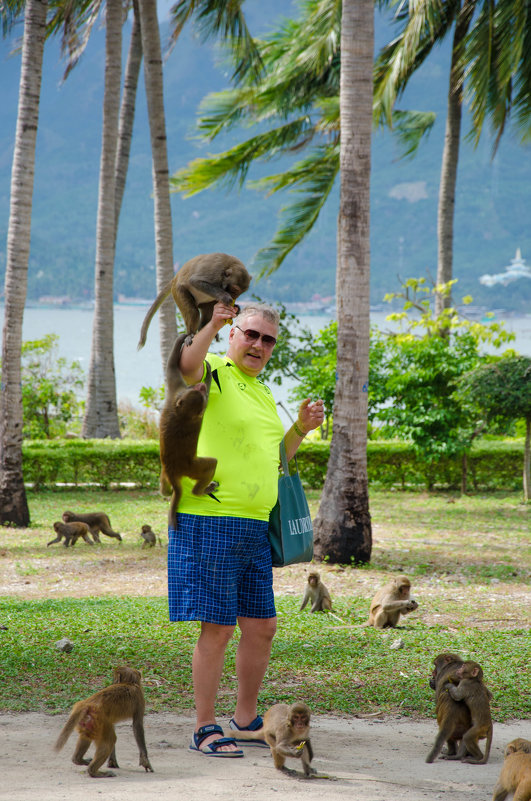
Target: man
[{"x": 219, "y": 560}]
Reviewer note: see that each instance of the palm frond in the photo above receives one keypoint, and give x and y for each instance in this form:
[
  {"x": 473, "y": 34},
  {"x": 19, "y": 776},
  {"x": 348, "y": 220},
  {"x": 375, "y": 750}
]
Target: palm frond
[
  {"x": 10, "y": 12},
  {"x": 231, "y": 167},
  {"x": 409, "y": 127},
  {"x": 315, "y": 176},
  {"x": 223, "y": 18},
  {"x": 422, "y": 25}
]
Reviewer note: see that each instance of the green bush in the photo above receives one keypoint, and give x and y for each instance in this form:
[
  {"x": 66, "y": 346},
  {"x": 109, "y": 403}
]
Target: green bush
[{"x": 492, "y": 464}]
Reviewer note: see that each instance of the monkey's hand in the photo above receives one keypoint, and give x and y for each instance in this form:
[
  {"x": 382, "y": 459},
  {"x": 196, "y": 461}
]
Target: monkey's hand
[
  {"x": 300, "y": 746},
  {"x": 412, "y": 605}
]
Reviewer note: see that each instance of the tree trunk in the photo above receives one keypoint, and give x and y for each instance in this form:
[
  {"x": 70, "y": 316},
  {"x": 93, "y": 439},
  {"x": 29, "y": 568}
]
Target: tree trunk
[
  {"x": 101, "y": 413},
  {"x": 161, "y": 187},
  {"x": 343, "y": 524},
  {"x": 527, "y": 461},
  {"x": 13, "y": 504},
  {"x": 127, "y": 114},
  {"x": 450, "y": 160}
]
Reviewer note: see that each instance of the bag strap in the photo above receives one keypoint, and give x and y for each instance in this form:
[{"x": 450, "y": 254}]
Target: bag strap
[{"x": 284, "y": 459}]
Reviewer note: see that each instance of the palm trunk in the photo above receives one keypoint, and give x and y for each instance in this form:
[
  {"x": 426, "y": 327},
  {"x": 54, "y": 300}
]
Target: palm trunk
[
  {"x": 527, "y": 461},
  {"x": 127, "y": 114},
  {"x": 13, "y": 503},
  {"x": 343, "y": 524},
  {"x": 161, "y": 187},
  {"x": 101, "y": 414},
  {"x": 450, "y": 160}
]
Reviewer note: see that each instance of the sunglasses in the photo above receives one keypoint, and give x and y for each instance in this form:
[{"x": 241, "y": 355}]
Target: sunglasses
[{"x": 255, "y": 336}]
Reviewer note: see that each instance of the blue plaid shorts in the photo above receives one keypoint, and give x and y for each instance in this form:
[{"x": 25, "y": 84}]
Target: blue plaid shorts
[{"x": 219, "y": 569}]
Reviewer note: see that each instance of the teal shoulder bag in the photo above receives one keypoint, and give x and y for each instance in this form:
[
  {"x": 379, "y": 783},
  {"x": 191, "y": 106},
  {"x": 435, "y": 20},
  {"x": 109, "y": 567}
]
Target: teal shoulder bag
[{"x": 290, "y": 524}]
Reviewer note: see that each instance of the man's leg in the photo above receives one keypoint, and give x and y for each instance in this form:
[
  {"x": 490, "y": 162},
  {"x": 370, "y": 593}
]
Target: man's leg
[
  {"x": 207, "y": 667},
  {"x": 252, "y": 659}
]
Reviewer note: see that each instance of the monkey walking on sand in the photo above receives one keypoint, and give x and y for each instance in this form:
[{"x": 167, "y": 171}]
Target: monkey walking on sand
[
  {"x": 286, "y": 730},
  {"x": 94, "y": 719},
  {"x": 198, "y": 286}
]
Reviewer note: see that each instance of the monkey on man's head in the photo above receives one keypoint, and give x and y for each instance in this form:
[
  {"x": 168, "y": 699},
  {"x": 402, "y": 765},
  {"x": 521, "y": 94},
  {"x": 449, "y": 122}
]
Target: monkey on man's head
[{"x": 198, "y": 286}]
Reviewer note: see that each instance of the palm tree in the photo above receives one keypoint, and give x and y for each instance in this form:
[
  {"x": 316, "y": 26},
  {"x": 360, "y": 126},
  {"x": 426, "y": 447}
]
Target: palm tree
[
  {"x": 489, "y": 67},
  {"x": 13, "y": 503},
  {"x": 159, "y": 152},
  {"x": 101, "y": 412},
  {"x": 343, "y": 525}
]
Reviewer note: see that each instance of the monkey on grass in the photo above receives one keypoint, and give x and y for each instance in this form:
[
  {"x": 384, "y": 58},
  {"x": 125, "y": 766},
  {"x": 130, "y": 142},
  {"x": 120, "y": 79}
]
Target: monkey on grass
[
  {"x": 515, "y": 776},
  {"x": 390, "y": 602},
  {"x": 198, "y": 286},
  {"x": 94, "y": 719},
  {"x": 472, "y": 690},
  {"x": 453, "y": 717},
  {"x": 149, "y": 537},
  {"x": 96, "y": 521},
  {"x": 180, "y": 425},
  {"x": 316, "y": 591},
  {"x": 71, "y": 533}
]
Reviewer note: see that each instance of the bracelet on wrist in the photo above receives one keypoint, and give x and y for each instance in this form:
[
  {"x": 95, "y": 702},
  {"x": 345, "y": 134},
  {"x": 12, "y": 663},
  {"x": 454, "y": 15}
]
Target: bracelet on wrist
[{"x": 298, "y": 430}]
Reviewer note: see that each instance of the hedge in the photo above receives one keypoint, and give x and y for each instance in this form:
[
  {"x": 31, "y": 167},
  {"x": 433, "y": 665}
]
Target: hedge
[{"x": 492, "y": 464}]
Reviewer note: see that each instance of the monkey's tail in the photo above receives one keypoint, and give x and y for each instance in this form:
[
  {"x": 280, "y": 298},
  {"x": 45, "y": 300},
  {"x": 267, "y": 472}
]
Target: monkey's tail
[
  {"x": 333, "y": 614},
  {"x": 487, "y": 748},
  {"x": 163, "y": 294},
  {"x": 69, "y": 726},
  {"x": 174, "y": 503}
]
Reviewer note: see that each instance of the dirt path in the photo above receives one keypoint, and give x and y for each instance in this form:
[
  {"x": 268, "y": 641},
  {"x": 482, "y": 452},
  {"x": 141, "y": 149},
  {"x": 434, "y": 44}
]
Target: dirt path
[{"x": 373, "y": 760}]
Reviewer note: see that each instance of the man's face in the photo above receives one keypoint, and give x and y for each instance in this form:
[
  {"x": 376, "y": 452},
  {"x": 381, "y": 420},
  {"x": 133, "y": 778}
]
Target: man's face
[{"x": 249, "y": 353}]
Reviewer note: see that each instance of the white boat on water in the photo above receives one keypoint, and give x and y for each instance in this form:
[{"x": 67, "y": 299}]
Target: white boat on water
[{"x": 515, "y": 270}]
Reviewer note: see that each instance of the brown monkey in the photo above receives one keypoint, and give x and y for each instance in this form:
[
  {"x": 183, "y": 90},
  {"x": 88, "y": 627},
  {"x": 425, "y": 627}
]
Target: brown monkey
[
  {"x": 96, "y": 521},
  {"x": 515, "y": 776},
  {"x": 453, "y": 717},
  {"x": 317, "y": 592},
  {"x": 180, "y": 424},
  {"x": 286, "y": 730},
  {"x": 196, "y": 288},
  {"x": 390, "y": 602},
  {"x": 150, "y": 538},
  {"x": 476, "y": 696},
  {"x": 95, "y": 717},
  {"x": 71, "y": 533}
]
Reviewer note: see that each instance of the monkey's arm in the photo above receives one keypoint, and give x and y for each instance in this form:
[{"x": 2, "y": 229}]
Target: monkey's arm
[
  {"x": 399, "y": 606},
  {"x": 457, "y": 693},
  {"x": 193, "y": 355},
  {"x": 304, "y": 600}
]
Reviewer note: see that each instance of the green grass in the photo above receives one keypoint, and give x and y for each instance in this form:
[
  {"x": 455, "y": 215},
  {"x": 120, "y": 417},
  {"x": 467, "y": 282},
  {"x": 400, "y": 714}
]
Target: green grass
[{"x": 469, "y": 562}]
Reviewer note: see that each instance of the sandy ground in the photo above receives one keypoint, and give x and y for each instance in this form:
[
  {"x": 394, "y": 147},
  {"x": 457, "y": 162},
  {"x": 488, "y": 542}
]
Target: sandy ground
[{"x": 373, "y": 760}]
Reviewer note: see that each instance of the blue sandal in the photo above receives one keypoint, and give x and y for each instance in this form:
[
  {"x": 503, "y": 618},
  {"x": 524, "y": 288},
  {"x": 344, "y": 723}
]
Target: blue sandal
[
  {"x": 254, "y": 725},
  {"x": 212, "y": 748}
]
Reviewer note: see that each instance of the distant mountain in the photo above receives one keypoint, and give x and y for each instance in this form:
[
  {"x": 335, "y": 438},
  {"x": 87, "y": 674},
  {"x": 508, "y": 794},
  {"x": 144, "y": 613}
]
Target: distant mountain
[{"x": 492, "y": 213}]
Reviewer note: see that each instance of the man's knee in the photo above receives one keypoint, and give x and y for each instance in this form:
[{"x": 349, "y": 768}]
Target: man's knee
[{"x": 258, "y": 628}]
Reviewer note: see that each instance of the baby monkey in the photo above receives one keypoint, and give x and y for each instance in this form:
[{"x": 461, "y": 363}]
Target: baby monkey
[
  {"x": 94, "y": 719},
  {"x": 318, "y": 594},
  {"x": 472, "y": 690},
  {"x": 286, "y": 730},
  {"x": 149, "y": 537}
]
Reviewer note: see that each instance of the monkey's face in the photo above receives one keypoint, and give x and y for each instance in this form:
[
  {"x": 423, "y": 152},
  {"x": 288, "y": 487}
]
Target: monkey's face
[
  {"x": 404, "y": 590},
  {"x": 299, "y": 721},
  {"x": 251, "y": 356},
  {"x": 313, "y": 578}
]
